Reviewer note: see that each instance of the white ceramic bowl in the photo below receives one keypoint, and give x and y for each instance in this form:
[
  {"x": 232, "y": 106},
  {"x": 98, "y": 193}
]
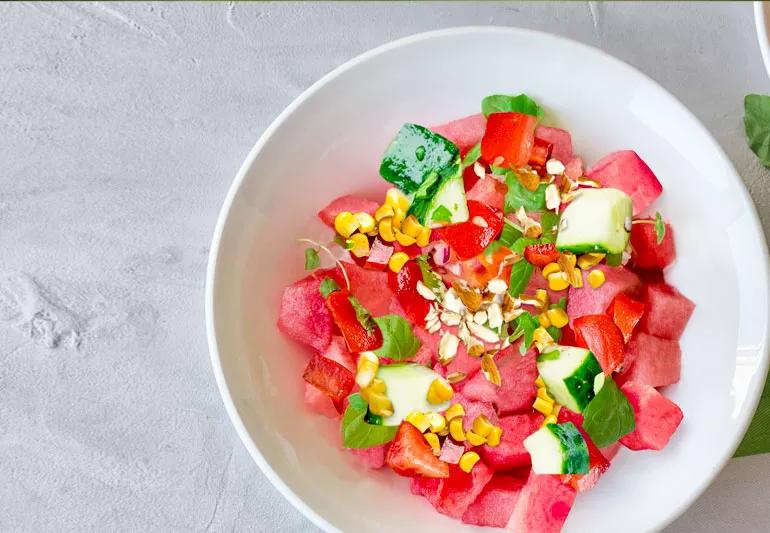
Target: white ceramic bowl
[
  {"x": 329, "y": 141},
  {"x": 761, "y": 17}
]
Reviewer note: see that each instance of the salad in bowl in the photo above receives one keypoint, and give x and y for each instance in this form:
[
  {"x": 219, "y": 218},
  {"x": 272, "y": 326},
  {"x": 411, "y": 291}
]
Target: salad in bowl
[{"x": 496, "y": 325}]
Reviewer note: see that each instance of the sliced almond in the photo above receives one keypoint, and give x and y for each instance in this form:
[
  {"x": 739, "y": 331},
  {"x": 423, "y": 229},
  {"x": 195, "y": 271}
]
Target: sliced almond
[
  {"x": 455, "y": 377},
  {"x": 478, "y": 169},
  {"x": 447, "y": 348},
  {"x": 476, "y": 349},
  {"x": 552, "y": 197},
  {"x": 480, "y": 317},
  {"x": 452, "y": 302},
  {"x": 530, "y": 180},
  {"x": 480, "y": 222},
  {"x": 424, "y": 291},
  {"x": 498, "y": 161},
  {"x": 433, "y": 326},
  {"x": 495, "y": 316},
  {"x": 554, "y": 166},
  {"x": 450, "y": 318},
  {"x": 489, "y": 368},
  {"x": 471, "y": 298},
  {"x": 482, "y": 333},
  {"x": 497, "y": 286}
]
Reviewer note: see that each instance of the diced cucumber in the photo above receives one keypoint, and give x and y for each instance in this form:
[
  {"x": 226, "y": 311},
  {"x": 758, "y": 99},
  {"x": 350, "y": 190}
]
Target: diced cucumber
[
  {"x": 597, "y": 220},
  {"x": 407, "y": 389},
  {"x": 558, "y": 449},
  {"x": 569, "y": 373},
  {"x": 448, "y": 205}
]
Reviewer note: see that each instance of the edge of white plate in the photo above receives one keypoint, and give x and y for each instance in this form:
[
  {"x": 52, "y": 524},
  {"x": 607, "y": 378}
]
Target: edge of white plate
[
  {"x": 275, "y": 479},
  {"x": 762, "y": 36}
]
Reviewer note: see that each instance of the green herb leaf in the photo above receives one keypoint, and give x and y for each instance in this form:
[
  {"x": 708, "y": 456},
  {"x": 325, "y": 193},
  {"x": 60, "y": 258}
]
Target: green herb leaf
[
  {"x": 312, "y": 261},
  {"x": 518, "y": 195},
  {"x": 441, "y": 214},
  {"x": 528, "y": 324},
  {"x": 614, "y": 260},
  {"x": 550, "y": 222},
  {"x": 472, "y": 156},
  {"x": 561, "y": 304},
  {"x": 553, "y": 331},
  {"x": 398, "y": 339},
  {"x": 328, "y": 286},
  {"x": 522, "y": 270},
  {"x": 521, "y": 103},
  {"x": 431, "y": 280},
  {"x": 362, "y": 314},
  {"x": 756, "y": 121},
  {"x": 660, "y": 227},
  {"x": 608, "y": 416},
  {"x": 357, "y": 433},
  {"x": 510, "y": 233}
]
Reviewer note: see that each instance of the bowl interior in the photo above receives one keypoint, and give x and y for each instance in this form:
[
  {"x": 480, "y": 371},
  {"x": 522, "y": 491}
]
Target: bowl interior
[{"x": 329, "y": 143}]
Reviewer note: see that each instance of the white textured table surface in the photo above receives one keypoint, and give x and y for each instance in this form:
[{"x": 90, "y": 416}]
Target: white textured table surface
[{"x": 121, "y": 127}]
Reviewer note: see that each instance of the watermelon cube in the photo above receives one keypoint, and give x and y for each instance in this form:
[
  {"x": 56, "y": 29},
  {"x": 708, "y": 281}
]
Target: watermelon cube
[
  {"x": 573, "y": 168},
  {"x": 320, "y": 403},
  {"x": 589, "y": 301},
  {"x": 656, "y": 416},
  {"x": 373, "y": 457},
  {"x": 510, "y": 453},
  {"x": 542, "y": 505},
  {"x": 560, "y": 139},
  {"x": 646, "y": 252},
  {"x": 303, "y": 315},
  {"x": 652, "y": 361},
  {"x": 348, "y": 202},
  {"x": 460, "y": 490},
  {"x": 517, "y": 391},
  {"x": 626, "y": 171},
  {"x": 610, "y": 451},
  {"x": 464, "y": 132},
  {"x": 494, "y": 505},
  {"x": 464, "y": 363},
  {"x": 428, "y": 350},
  {"x": 371, "y": 288},
  {"x": 421, "y": 486},
  {"x": 474, "y": 408},
  {"x": 667, "y": 311},
  {"x": 489, "y": 191},
  {"x": 338, "y": 352}
]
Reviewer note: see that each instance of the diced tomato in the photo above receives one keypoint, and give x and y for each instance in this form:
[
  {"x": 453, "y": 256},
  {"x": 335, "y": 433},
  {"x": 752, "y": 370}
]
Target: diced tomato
[
  {"x": 597, "y": 462},
  {"x": 404, "y": 285},
  {"x": 331, "y": 378},
  {"x": 412, "y": 250},
  {"x": 541, "y": 152},
  {"x": 541, "y": 254},
  {"x": 492, "y": 263},
  {"x": 470, "y": 177},
  {"x": 626, "y": 313},
  {"x": 599, "y": 334},
  {"x": 410, "y": 455},
  {"x": 510, "y": 136},
  {"x": 379, "y": 255},
  {"x": 357, "y": 338},
  {"x": 469, "y": 239}
]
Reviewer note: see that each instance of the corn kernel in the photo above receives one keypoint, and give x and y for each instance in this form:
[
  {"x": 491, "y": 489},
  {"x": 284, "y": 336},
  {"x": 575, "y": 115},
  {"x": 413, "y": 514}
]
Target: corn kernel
[
  {"x": 542, "y": 392},
  {"x": 358, "y": 244},
  {"x": 404, "y": 239},
  {"x": 396, "y": 199},
  {"x": 572, "y": 258},
  {"x": 365, "y": 221},
  {"x": 558, "y": 317},
  {"x": 444, "y": 432},
  {"x": 542, "y": 337},
  {"x": 432, "y": 439},
  {"x": 575, "y": 278},
  {"x": 596, "y": 278},
  {"x": 467, "y": 461},
  {"x": 411, "y": 227},
  {"x": 384, "y": 211},
  {"x": 493, "y": 439},
  {"x": 366, "y": 369},
  {"x": 543, "y": 319},
  {"x": 397, "y": 261},
  {"x": 345, "y": 223},
  {"x": 456, "y": 429},
  {"x": 482, "y": 426},
  {"x": 439, "y": 391},
  {"x": 456, "y": 410},
  {"x": 374, "y": 232},
  {"x": 556, "y": 409},
  {"x": 398, "y": 218},
  {"x": 386, "y": 230},
  {"x": 539, "y": 382},
  {"x": 550, "y": 419},
  {"x": 558, "y": 281},
  {"x": 418, "y": 420},
  {"x": 550, "y": 268},
  {"x": 542, "y": 406},
  {"x": 474, "y": 439},
  {"x": 424, "y": 237},
  {"x": 380, "y": 405},
  {"x": 437, "y": 422},
  {"x": 588, "y": 260},
  {"x": 542, "y": 296}
]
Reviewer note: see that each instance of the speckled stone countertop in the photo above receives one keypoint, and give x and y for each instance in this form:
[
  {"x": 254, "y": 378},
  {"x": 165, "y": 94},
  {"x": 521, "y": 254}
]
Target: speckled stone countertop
[{"x": 122, "y": 126}]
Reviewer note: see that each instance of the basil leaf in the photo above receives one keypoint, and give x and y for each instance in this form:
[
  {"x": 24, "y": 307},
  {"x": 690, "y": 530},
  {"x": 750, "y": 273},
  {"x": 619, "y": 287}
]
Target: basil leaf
[
  {"x": 561, "y": 304},
  {"x": 528, "y": 324},
  {"x": 328, "y": 286},
  {"x": 521, "y": 243},
  {"x": 312, "y": 261},
  {"x": 609, "y": 416},
  {"x": 472, "y": 156},
  {"x": 510, "y": 233},
  {"x": 441, "y": 214},
  {"x": 518, "y": 195},
  {"x": 522, "y": 270},
  {"x": 357, "y": 433},
  {"x": 550, "y": 223},
  {"x": 398, "y": 340},
  {"x": 660, "y": 227},
  {"x": 362, "y": 314},
  {"x": 756, "y": 121},
  {"x": 431, "y": 280},
  {"x": 521, "y": 103}
]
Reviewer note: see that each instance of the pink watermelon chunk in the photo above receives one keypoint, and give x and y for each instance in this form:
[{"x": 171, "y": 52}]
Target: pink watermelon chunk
[
  {"x": 319, "y": 403},
  {"x": 542, "y": 506},
  {"x": 350, "y": 203},
  {"x": 372, "y": 457},
  {"x": 590, "y": 301},
  {"x": 561, "y": 140},
  {"x": 537, "y": 281},
  {"x": 667, "y": 311},
  {"x": 610, "y": 451},
  {"x": 371, "y": 288},
  {"x": 656, "y": 416},
  {"x": 573, "y": 168},
  {"x": 464, "y": 132},
  {"x": 653, "y": 361},
  {"x": 464, "y": 363},
  {"x": 460, "y": 490},
  {"x": 421, "y": 486},
  {"x": 338, "y": 352},
  {"x": 626, "y": 171},
  {"x": 510, "y": 453},
  {"x": 517, "y": 391},
  {"x": 474, "y": 408},
  {"x": 490, "y": 192},
  {"x": 428, "y": 351},
  {"x": 303, "y": 315},
  {"x": 495, "y": 504},
  {"x": 646, "y": 252}
]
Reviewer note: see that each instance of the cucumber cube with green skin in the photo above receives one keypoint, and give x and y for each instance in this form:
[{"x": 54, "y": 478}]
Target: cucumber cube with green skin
[
  {"x": 596, "y": 221},
  {"x": 416, "y": 157},
  {"x": 568, "y": 373},
  {"x": 558, "y": 449},
  {"x": 407, "y": 387},
  {"x": 447, "y": 205}
]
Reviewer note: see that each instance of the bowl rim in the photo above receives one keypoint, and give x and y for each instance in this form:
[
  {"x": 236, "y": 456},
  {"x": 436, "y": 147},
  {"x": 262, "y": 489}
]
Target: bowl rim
[
  {"x": 762, "y": 36},
  {"x": 753, "y": 395}
]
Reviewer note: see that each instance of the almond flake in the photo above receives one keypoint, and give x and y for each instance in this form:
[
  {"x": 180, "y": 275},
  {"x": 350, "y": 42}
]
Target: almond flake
[
  {"x": 447, "y": 348},
  {"x": 478, "y": 169},
  {"x": 450, "y": 318},
  {"x": 464, "y": 334},
  {"x": 455, "y": 377},
  {"x": 530, "y": 180},
  {"x": 480, "y": 222},
  {"x": 495, "y": 316},
  {"x": 424, "y": 291},
  {"x": 489, "y": 368},
  {"x": 471, "y": 298},
  {"x": 497, "y": 286},
  {"x": 555, "y": 167},
  {"x": 476, "y": 349},
  {"x": 452, "y": 302},
  {"x": 552, "y": 198},
  {"x": 480, "y": 317},
  {"x": 433, "y": 326},
  {"x": 484, "y": 334},
  {"x": 589, "y": 182},
  {"x": 432, "y": 314}
]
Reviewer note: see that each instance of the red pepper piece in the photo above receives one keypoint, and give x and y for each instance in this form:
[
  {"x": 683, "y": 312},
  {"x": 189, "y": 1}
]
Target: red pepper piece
[
  {"x": 541, "y": 153},
  {"x": 599, "y": 334},
  {"x": 404, "y": 285},
  {"x": 410, "y": 455},
  {"x": 469, "y": 239},
  {"x": 357, "y": 338},
  {"x": 331, "y": 378},
  {"x": 626, "y": 313},
  {"x": 541, "y": 254},
  {"x": 509, "y": 136}
]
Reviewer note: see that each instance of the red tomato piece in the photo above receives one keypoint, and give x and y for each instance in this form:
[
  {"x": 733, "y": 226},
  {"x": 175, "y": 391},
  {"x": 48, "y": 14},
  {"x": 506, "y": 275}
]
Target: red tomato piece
[
  {"x": 541, "y": 254},
  {"x": 357, "y": 338},
  {"x": 469, "y": 239},
  {"x": 626, "y": 313},
  {"x": 599, "y": 334},
  {"x": 510, "y": 136},
  {"x": 331, "y": 378},
  {"x": 404, "y": 285},
  {"x": 541, "y": 152},
  {"x": 410, "y": 455}
]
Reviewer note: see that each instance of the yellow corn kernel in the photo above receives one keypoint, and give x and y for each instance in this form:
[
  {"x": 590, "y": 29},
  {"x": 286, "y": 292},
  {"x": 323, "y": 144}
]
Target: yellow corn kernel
[
  {"x": 455, "y": 411},
  {"x": 379, "y": 404},
  {"x": 542, "y": 392},
  {"x": 432, "y": 439},
  {"x": 384, "y": 211},
  {"x": 411, "y": 227},
  {"x": 493, "y": 439},
  {"x": 376, "y": 386},
  {"x": 437, "y": 422},
  {"x": 550, "y": 419},
  {"x": 398, "y": 218},
  {"x": 397, "y": 261},
  {"x": 365, "y": 221},
  {"x": 575, "y": 278},
  {"x": 542, "y": 296},
  {"x": 588, "y": 260},
  {"x": 543, "y": 319},
  {"x": 424, "y": 237},
  {"x": 468, "y": 461},
  {"x": 404, "y": 239},
  {"x": 558, "y": 317},
  {"x": 543, "y": 406},
  {"x": 396, "y": 199},
  {"x": 358, "y": 244},
  {"x": 345, "y": 223},
  {"x": 386, "y": 230},
  {"x": 374, "y": 232},
  {"x": 572, "y": 258},
  {"x": 550, "y": 268},
  {"x": 539, "y": 382},
  {"x": 482, "y": 426},
  {"x": 456, "y": 429},
  {"x": 596, "y": 278},
  {"x": 475, "y": 440},
  {"x": 444, "y": 432},
  {"x": 556, "y": 409},
  {"x": 439, "y": 391},
  {"x": 558, "y": 281},
  {"x": 542, "y": 337},
  {"x": 418, "y": 420},
  {"x": 366, "y": 369}
]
